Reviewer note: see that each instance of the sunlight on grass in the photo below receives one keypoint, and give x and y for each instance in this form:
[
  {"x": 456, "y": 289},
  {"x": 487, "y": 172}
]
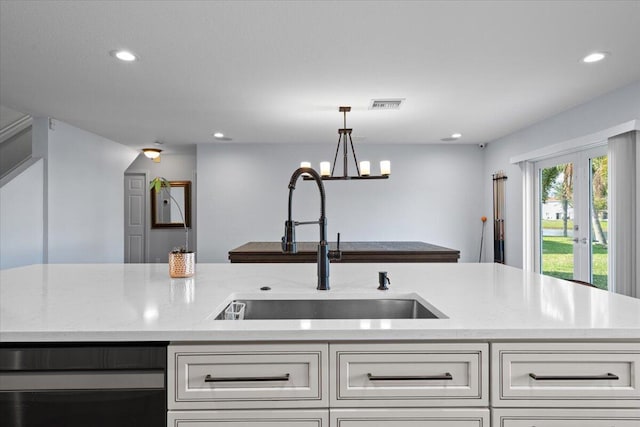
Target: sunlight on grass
[{"x": 557, "y": 260}]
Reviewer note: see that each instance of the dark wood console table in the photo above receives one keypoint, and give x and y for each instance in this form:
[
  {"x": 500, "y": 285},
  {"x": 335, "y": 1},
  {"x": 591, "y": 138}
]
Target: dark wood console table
[{"x": 256, "y": 252}]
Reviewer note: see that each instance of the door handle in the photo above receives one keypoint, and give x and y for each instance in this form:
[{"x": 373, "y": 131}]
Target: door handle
[
  {"x": 446, "y": 376},
  {"x": 210, "y": 379},
  {"x": 607, "y": 376}
]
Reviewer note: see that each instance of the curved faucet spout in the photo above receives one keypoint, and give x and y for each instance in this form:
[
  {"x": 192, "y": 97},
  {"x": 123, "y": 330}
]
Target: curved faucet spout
[
  {"x": 289, "y": 240},
  {"x": 292, "y": 186}
]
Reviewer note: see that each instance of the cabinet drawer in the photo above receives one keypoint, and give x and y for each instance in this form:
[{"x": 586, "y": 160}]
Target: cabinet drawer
[
  {"x": 576, "y": 374},
  {"x": 247, "y": 376},
  {"x": 409, "y": 375},
  {"x": 284, "y": 418},
  {"x": 441, "y": 417},
  {"x": 565, "y": 418}
]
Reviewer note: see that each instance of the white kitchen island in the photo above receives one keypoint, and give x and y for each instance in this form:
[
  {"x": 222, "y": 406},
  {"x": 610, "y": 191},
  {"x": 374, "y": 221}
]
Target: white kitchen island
[
  {"x": 512, "y": 348},
  {"x": 139, "y": 302}
]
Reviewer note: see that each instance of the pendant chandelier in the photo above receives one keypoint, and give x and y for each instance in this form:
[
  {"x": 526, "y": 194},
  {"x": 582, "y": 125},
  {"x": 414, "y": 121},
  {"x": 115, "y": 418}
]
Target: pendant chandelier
[{"x": 363, "y": 169}]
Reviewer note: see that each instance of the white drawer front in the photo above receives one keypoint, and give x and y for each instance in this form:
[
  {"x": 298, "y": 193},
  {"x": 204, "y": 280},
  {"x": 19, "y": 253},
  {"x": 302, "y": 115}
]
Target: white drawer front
[
  {"x": 247, "y": 376},
  {"x": 284, "y": 418},
  {"x": 565, "y": 418},
  {"x": 409, "y": 375},
  {"x": 409, "y": 417},
  {"x": 584, "y": 374}
]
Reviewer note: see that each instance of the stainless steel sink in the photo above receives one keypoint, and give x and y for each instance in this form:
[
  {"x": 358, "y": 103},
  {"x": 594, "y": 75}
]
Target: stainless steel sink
[{"x": 264, "y": 309}]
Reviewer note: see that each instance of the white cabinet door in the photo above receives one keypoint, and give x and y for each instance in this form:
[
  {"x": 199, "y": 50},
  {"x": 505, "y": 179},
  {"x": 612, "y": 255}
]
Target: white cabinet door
[
  {"x": 135, "y": 208},
  {"x": 565, "y": 375},
  {"x": 409, "y": 375},
  {"x": 565, "y": 418},
  {"x": 260, "y": 376},
  {"x": 409, "y": 417},
  {"x": 277, "y": 418}
]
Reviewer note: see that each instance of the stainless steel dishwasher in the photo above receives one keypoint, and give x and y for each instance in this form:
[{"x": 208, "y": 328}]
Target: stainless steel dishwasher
[{"x": 83, "y": 385}]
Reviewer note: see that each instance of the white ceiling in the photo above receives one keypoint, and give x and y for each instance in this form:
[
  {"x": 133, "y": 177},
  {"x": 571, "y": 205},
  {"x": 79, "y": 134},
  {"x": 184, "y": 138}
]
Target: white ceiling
[{"x": 277, "y": 71}]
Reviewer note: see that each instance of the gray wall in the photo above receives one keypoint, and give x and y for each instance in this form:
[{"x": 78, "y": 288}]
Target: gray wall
[
  {"x": 174, "y": 167},
  {"x": 434, "y": 195},
  {"x": 84, "y": 186},
  {"x": 601, "y": 113},
  {"x": 21, "y": 217}
]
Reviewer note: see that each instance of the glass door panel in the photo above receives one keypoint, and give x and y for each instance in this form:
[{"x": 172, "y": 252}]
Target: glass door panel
[
  {"x": 599, "y": 212},
  {"x": 557, "y": 220}
]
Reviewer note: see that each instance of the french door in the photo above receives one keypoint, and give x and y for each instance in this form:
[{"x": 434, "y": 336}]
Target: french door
[{"x": 572, "y": 216}]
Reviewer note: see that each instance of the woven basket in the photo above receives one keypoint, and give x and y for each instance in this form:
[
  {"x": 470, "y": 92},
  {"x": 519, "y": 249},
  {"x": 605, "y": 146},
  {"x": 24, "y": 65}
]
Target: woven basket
[{"x": 182, "y": 264}]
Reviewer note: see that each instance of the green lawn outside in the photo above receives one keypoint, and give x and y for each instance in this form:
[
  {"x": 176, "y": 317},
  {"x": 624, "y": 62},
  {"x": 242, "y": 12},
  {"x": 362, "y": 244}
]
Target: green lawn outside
[
  {"x": 556, "y": 224},
  {"x": 557, "y": 259}
]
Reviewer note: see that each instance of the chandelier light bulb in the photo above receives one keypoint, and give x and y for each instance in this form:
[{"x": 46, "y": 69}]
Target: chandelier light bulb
[
  {"x": 325, "y": 169},
  {"x": 365, "y": 168},
  {"x": 385, "y": 167}
]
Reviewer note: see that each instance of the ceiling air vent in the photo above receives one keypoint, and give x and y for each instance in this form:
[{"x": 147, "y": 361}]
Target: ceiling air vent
[{"x": 386, "y": 104}]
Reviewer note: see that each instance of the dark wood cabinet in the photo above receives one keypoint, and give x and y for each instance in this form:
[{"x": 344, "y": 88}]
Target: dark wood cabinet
[{"x": 256, "y": 252}]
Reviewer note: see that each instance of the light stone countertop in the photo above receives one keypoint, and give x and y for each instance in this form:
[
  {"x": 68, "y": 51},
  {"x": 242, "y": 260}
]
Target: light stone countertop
[{"x": 139, "y": 302}]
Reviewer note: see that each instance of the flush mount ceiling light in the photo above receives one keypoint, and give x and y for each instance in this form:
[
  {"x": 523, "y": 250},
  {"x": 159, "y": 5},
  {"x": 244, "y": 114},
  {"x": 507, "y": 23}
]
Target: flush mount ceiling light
[
  {"x": 363, "y": 169},
  {"x": 124, "y": 55},
  {"x": 152, "y": 153},
  {"x": 594, "y": 57}
]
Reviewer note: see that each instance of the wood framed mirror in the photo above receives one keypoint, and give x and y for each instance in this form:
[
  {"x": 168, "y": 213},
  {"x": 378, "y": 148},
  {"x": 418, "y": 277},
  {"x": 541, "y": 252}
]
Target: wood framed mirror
[{"x": 164, "y": 205}]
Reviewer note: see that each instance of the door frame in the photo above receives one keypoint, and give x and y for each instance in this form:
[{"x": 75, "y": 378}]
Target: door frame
[{"x": 582, "y": 257}]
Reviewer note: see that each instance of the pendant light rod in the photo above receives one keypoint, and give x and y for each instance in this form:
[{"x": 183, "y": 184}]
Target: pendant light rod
[{"x": 343, "y": 134}]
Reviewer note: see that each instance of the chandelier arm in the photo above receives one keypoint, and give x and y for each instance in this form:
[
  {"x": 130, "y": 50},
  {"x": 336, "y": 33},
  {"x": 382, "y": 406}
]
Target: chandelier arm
[
  {"x": 336, "y": 156},
  {"x": 353, "y": 150},
  {"x": 345, "y": 158}
]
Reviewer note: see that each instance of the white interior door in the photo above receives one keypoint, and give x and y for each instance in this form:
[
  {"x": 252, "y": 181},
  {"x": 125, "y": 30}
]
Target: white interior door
[
  {"x": 135, "y": 191},
  {"x": 572, "y": 216}
]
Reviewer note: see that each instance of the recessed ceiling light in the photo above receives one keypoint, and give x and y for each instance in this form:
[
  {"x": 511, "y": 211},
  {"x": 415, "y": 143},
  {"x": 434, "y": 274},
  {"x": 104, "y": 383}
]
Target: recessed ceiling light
[
  {"x": 594, "y": 57},
  {"x": 218, "y": 135},
  {"x": 124, "y": 55},
  {"x": 456, "y": 135}
]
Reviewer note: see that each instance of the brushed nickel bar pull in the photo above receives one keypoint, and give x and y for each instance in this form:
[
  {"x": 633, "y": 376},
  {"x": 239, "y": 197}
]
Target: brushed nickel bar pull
[
  {"x": 445, "y": 377},
  {"x": 210, "y": 379},
  {"x": 608, "y": 376}
]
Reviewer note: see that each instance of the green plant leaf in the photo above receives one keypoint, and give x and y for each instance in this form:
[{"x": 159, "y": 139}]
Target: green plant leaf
[{"x": 158, "y": 182}]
